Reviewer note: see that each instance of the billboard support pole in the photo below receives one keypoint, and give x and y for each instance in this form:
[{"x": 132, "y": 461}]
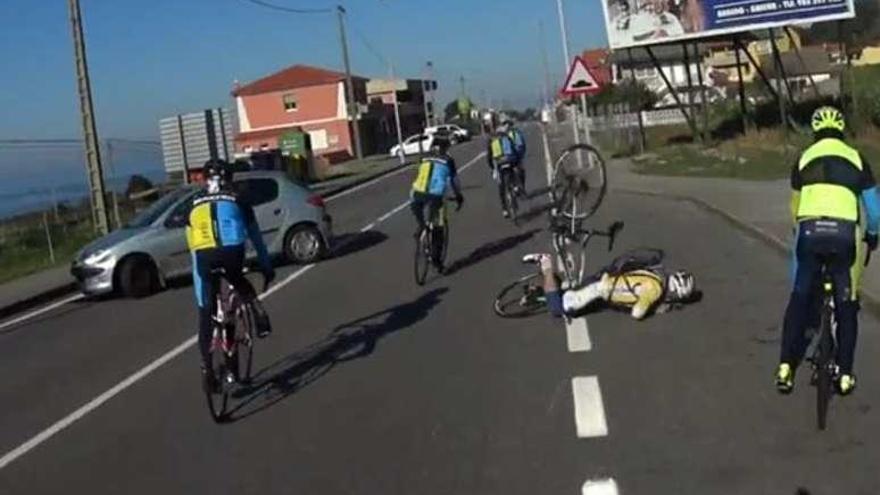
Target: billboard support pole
[
  {"x": 797, "y": 52},
  {"x": 742, "y": 87},
  {"x": 704, "y": 104},
  {"x": 780, "y": 73},
  {"x": 690, "y": 88},
  {"x": 632, "y": 75},
  {"x": 671, "y": 89},
  {"x": 777, "y": 54},
  {"x": 760, "y": 72}
]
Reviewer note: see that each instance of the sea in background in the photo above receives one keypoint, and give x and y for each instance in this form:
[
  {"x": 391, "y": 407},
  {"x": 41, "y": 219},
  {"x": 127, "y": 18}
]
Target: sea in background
[{"x": 33, "y": 177}]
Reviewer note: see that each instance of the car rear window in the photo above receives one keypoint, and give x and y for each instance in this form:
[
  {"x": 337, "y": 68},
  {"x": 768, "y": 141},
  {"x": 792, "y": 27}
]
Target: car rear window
[{"x": 257, "y": 191}]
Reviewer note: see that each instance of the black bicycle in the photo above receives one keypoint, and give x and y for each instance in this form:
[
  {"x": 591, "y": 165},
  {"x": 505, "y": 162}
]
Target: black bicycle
[
  {"x": 570, "y": 244},
  {"x": 511, "y": 186},
  {"x": 825, "y": 369},
  {"x": 525, "y": 296},
  {"x": 436, "y": 231},
  {"x": 232, "y": 346},
  {"x": 579, "y": 183}
]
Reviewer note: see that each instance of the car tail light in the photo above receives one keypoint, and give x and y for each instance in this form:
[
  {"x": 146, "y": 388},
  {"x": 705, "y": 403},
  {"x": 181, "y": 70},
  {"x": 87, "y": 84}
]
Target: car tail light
[{"x": 316, "y": 200}]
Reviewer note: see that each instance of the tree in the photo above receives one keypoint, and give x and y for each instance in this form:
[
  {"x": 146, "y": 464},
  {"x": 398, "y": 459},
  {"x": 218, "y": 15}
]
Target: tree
[
  {"x": 138, "y": 184},
  {"x": 450, "y": 112},
  {"x": 862, "y": 30},
  {"x": 636, "y": 94}
]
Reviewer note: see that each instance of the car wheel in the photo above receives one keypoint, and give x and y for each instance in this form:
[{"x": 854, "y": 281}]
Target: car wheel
[
  {"x": 137, "y": 277},
  {"x": 303, "y": 244}
]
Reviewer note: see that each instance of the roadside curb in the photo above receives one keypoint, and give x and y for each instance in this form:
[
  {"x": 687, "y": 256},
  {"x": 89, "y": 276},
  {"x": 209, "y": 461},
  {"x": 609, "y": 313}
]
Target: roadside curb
[
  {"x": 868, "y": 299},
  {"x": 360, "y": 181},
  {"x": 70, "y": 287}
]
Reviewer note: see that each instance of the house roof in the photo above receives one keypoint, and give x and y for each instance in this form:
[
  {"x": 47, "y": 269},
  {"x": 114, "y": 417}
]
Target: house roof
[
  {"x": 815, "y": 61},
  {"x": 297, "y": 76}
]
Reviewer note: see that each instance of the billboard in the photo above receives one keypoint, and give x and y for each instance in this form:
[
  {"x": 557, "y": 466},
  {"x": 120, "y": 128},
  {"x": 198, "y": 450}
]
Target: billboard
[{"x": 647, "y": 22}]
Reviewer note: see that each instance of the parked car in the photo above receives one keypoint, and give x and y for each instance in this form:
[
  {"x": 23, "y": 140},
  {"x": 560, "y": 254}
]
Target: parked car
[
  {"x": 413, "y": 145},
  {"x": 456, "y": 133},
  {"x": 139, "y": 258}
]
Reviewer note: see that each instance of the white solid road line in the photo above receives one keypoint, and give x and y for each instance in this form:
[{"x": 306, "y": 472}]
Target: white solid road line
[
  {"x": 578, "y": 335},
  {"x": 600, "y": 487},
  {"x": 95, "y": 403},
  {"x": 38, "y": 312},
  {"x": 589, "y": 412}
]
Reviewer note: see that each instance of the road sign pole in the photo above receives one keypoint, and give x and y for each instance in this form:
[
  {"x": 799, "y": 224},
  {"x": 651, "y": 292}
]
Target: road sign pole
[
  {"x": 572, "y": 110},
  {"x": 587, "y": 138}
]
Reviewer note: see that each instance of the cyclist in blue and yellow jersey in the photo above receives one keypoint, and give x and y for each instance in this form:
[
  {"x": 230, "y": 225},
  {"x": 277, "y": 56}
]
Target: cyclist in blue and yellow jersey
[
  {"x": 436, "y": 173},
  {"x": 827, "y": 183},
  {"x": 502, "y": 151},
  {"x": 219, "y": 225},
  {"x": 519, "y": 146}
]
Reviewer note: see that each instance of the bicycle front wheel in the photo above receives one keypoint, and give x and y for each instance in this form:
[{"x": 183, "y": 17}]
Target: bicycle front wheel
[
  {"x": 218, "y": 399},
  {"x": 579, "y": 182},
  {"x": 244, "y": 343},
  {"x": 523, "y": 297}
]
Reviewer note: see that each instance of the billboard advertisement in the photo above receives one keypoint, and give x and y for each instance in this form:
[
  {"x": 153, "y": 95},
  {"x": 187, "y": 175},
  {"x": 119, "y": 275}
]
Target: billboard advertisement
[{"x": 647, "y": 22}]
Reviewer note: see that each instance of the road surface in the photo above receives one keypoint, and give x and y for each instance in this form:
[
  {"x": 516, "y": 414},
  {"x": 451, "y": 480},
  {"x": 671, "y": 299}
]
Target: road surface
[{"x": 371, "y": 384}]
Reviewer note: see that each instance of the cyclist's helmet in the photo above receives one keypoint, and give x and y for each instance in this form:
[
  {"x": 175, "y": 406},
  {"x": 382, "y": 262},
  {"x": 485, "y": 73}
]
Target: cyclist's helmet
[
  {"x": 218, "y": 174},
  {"x": 440, "y": 145},
  {"x": 827, "y": 118},
  {"x": 680, "y": 286}
]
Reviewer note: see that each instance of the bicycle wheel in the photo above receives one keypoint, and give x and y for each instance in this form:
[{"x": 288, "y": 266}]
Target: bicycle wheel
[
  {"x": 218, "y": 399},
  {"x": 573, "y": 259},
  {"x": 445, "y": 250},
  {"x": 244, "y": 343},
  {"x": 824, "y": 368},
  {"x": 524, "y": 297},
  {"x": 579, "y": 182},
  {"x": 512, "y": 201},
  {"x": 422, "y": 257}
]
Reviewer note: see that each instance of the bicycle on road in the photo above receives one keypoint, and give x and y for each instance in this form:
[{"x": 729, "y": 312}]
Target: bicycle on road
[
  {"x": 432, "y": 244},
  {"x": 824, "y": 346},
  {"x": 525, "y": 296},
  {"x": 512, "y": 188},
  {"x": 232, "y": 346},
  {"x": 578, "y": 183}
]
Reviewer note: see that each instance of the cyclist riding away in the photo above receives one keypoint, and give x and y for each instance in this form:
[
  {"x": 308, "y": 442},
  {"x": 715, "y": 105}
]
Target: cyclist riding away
[
  {"x": 827, "y": 182},
  {"x": 640, "y": 286},
  {"x": 436, "y": 173},
  {"x": 219, "y": 225},
  {"x": 519, "y": 146},
  {"x": 501, "y": 152}
]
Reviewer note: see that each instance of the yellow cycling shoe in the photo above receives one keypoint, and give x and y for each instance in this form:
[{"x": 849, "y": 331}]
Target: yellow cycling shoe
[
  {"x": 784, "y": 378},
  {"x": 846, "y": 384}
]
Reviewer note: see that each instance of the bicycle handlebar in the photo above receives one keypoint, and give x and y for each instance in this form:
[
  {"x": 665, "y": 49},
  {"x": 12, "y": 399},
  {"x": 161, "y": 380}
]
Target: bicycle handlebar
[{"x": 611, "y": 233}]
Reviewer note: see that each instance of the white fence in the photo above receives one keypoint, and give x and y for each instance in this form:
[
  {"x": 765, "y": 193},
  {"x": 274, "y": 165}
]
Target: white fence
[{"x": 650, "y": 118}]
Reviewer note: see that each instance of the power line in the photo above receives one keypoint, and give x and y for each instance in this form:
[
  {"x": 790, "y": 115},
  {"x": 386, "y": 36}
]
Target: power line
[
  {"x": 289, "y": 9},
  {"x": 372, "y": 49}
]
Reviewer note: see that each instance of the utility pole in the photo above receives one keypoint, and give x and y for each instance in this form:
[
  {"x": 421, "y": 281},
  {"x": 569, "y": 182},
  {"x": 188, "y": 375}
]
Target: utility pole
[
  {"x": 572, "y": 110},
  {"x": 116, "y": 218},
  {"x": 87, "y": 115},
  {"x": 400, "y": 155},
  {"x": 432, "y": 82},
  {"x": 544, "y": 63},
  {"x": 352, "y": 107},
  {"x": 463, "y": 92},
  {"x": 426, "y": 86}
]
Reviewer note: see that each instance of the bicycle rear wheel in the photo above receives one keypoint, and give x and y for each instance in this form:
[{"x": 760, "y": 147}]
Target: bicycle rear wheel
[
  {"x": 521, "y": 298},
  {"x": 422, "y": 257},
  {"x": 244, "y": 343},
  {"x": 512, "y": 200},
  {"x": 579, "y": 182},
  {"x": 824, "y": 368},
  {"x": 218, "y": 399}
]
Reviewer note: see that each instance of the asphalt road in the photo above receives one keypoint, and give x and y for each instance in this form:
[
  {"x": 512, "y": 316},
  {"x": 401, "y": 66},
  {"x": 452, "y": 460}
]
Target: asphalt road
[{"x": 372, "y": 384}]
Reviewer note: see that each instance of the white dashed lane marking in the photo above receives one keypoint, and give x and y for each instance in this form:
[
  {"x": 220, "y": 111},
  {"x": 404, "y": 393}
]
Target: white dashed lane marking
[
  {"x": 600, "y": 487},
  {"x": 589, "y": 411},
  {"x": 578, "y": 335}
]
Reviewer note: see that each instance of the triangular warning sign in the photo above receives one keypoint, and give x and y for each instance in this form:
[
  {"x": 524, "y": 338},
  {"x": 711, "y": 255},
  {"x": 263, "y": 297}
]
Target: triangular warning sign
[{"x": 580, "y": 80}]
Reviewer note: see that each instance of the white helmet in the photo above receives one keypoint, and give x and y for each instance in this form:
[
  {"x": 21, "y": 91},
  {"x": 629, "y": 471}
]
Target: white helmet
[{"x": 679, "y": 286}]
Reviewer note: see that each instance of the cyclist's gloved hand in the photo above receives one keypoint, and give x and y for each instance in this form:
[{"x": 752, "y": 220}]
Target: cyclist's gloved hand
[
  {"x": 871, "y": 240},
  {"x": 268, "y": 277},
  {"x": 459, "y": 200}
]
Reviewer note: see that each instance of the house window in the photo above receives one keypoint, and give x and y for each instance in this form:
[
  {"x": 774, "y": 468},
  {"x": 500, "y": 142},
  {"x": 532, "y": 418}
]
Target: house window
[{"x": 289, "y": 102}]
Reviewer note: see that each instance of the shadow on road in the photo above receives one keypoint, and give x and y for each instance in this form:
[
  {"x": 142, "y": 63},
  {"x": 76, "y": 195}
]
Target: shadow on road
[
  {"x": 348, "y": 341},
  {"x": 490, "y": 250},
  {"x": 534, "y": 212},
  {"x": 347, "y": 244}
]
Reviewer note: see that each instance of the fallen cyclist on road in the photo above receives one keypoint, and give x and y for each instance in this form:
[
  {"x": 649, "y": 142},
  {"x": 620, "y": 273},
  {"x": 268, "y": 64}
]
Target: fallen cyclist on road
[
  {"x": 635, "y": 280},
  {"x": 219, "y": 225},
  {"x": 436, "y": 173}
]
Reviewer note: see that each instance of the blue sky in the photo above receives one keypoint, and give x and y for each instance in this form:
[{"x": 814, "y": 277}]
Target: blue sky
[{"x": 162, "y": 57}]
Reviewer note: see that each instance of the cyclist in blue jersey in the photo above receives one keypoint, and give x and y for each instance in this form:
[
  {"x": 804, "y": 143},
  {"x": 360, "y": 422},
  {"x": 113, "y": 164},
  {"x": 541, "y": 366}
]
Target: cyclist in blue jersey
[
  {"x": 501, "y": 154},
  {"x": 519, "y": 147},
  {"x": 219, "y": 224},
  {"x": 436, "y": 173}
]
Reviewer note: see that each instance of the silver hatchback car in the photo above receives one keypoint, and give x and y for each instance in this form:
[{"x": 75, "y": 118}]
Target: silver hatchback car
[{"x": 138, "y": 259}]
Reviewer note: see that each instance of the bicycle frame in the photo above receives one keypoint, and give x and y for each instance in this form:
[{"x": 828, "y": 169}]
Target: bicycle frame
[{"x": 563, "y": 238}]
